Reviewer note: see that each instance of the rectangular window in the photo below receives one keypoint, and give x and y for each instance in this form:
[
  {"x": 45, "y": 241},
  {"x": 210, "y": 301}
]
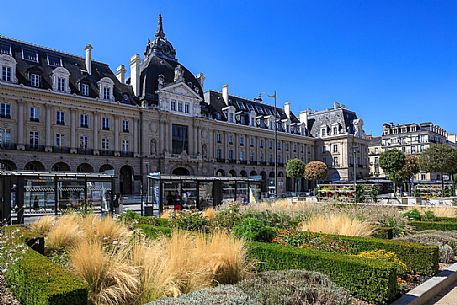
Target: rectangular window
[
  {"x": 125, "y": 126},
  {"x": 218, "y": 138},
  {"x": 231, "y": 154},
  {"x": 241, "y": 155},
  {"x": 60, "y": 120},
  {"x": 187, "y": 108},
  {"x": 34, "y": 114},
  {"x": 105, "y": 123},
  {"x": 219, "y": 154},
  {"x": 335, "y": 148},
  {"x": 335, "y": 130},
  {"x": 125, "y": 145},
  {"x": 241, "y": 140},
  {"x": 231, "y": 117},
  {"x": 179, "y": 139},
  {"x": 6, "y": 73},
  {"x": 60, "y": 140},
  {"x": 5, "y": 111},
  {"x": 251, "y": 141},
  {"x": 83, "y": 142},
  {"x": 322, "y": 132},
  {"x": 84, "y": 89},
  {"x": 271, "y": 158},
  {"x": 230, "y": 139},
  {"x": 173, "y": 105},
  {"x": 179, "y": 106},
  {"x": 261, "y": 143},
  {"x": 251, "y": 156},
  {"x": 33, "y": 139},
  {"x": 30, "y": 55},
  {"x": 84, "y": 121},
  {"x": 61, "y": 84},
  {"x": 107, "y": 93},
  {"x": 105, "y": 144},
  {"x": 270, "y": 144},
  {"x": 35, "y": 80},
  {"x": 253, "y": 122},
  {"x": 5, "y": 137},
  {"x": 54, "y": 61},
  {"x": 335, "y": 162},
  {"x": 5, "y": 49}
]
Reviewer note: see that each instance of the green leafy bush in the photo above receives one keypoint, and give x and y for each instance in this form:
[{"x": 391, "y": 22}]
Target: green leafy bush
[
  {"x": 151, "y": 231},
  {"x": 277, "y": 220},
  {"x": 254, "y": 230},
  {"x": 447, "y": 243},
  {"x": 293, "y": 287},
  {"x": 190, "y": 221},
  {"x": 293, "y": 237},
  {"x": 227, "y": 217},
  {"x": 428, "y": 216},
  {"x": 413, "y": 214},
  {"x": 220, "y": 295},
  {"x": 419, "y": 225},
  {"x": 368, "y": 279},
  {"x": 130, "y": 217}
]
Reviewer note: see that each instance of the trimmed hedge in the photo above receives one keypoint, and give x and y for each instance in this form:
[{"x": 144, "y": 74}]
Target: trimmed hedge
[
  {"x": 153, "y": 220},
  {"x": 368, "y": 279},
  {"x": 154, "y": 231},
  {"x": 434, "y": 225},
  {"x": 36, "y": 280},
  {"x": 418, "y": 257}
]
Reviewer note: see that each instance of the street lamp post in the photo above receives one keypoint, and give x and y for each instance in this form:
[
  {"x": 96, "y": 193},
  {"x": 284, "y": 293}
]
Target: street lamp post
[
  {"x": 354, "y": 152},
  {"x": 276, "y": 143}
]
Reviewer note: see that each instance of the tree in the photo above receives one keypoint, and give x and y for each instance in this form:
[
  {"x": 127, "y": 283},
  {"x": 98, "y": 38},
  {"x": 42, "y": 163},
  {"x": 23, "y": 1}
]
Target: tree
[
  {"x": 295, "y": 168},
  {"x": 410, "y": 168},
  {"x": 316, "y": 170},
  {"x": 439, "y": 159},
  {"x": 392, "y": 162}
]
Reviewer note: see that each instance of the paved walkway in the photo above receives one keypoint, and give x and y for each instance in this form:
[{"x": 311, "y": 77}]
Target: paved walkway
[{"x": 446, "y": 297}]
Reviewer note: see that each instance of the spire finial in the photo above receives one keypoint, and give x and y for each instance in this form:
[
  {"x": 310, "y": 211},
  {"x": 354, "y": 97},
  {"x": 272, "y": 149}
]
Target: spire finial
[{"x": 160, "y": 32}]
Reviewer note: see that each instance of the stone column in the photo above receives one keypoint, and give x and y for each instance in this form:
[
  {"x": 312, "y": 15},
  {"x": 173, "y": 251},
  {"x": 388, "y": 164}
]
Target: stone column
[
  {"x": 48, "y": 118},
  {"x": 116, "y": 136},
  {"x": 161, "y": 138},
  {"x": 135, "y": 137},
  {"x": 20, "y": 124},
  {"x": 73, "y": 131},
  {"x": 95, "y": 134}
]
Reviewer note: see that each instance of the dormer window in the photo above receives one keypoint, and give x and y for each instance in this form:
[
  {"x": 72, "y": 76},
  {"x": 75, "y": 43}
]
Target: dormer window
[
  {"x": 5, "y": 49},
  {"x": 7, "y": 68},
  {"x": 54, "y": 61},
  {"x": 105, "y": 86},
  {"x": 84, "y": 89},
  {"x": 61, "y": 80},
  {"x": 35, "y": 80},
  {"x": 231, "y": 117},
  {"x": 30, "y": 55}
]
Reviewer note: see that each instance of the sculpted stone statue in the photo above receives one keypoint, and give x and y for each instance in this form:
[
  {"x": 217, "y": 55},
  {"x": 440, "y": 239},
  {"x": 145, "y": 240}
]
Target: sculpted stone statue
[
  {"x": 179, "y": 74},
  {"x": 358, "y": 128},
  {"x": 161, "y": 81}
]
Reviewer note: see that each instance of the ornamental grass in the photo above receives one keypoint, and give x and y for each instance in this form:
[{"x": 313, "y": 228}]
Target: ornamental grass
[
  {"x": 337, "y": 224},
  {"x": 65, "y": 233},
  {"x": 43, "y": 225}
]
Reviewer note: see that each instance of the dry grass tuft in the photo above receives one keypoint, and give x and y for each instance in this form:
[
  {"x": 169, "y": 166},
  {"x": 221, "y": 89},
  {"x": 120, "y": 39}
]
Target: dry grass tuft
[
  {"x": 65, "y": 234},
  {"x": 111, "y": 280},
  {"x": 338, "y": 224},
  {"x": 449, "y": 212},
  {"x": 167, "y": 214},
  {"x": 209, "y": 213},
  {"x": 43, "y": 225}
]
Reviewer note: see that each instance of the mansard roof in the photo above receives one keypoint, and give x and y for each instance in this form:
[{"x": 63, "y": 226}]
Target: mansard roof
[
  {"x": 217, "y": 104},
  {"x": 335, "y": 116},
  {"x": 73, "y": 63}
]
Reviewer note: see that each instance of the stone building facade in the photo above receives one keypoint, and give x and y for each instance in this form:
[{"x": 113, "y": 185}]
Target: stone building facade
[
  {"x": 374, "y": 152},
  {"x": 61, "y": 112}
]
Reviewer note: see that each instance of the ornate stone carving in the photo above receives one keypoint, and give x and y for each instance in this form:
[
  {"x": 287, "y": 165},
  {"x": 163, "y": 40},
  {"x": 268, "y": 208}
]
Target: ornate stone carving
[
  {"x": 161, "y": 81},
  {"x": 179, "y": 74},
  {"x": 358, "y": 128}
]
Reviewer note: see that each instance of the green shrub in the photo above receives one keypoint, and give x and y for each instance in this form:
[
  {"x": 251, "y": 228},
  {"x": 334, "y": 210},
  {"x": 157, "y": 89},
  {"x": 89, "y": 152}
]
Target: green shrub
[
  {"x": 34, "y": 279},
  {"x": 227, "y": 217},
  {"x": 293, "y": 237},
  {"x": 151, "y": 231},
  {"x": 293, "y": 287},
  {"x": 254, "y": 230},
  {"x": 277, "y": 220},
  {"x": 428, "y": 216},
  {"x": 433, "y": 225},
  {"x": 413, "y": 214},
  {"x": 220, "y": 295},
  {"x": 368, "y": 279},
  {"x": 130, "y": 217},
  {"x": 190, "y": 221}
]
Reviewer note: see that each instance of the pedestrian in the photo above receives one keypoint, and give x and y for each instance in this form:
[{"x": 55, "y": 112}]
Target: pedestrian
[
  {"x": 177, "y": 202},
  {"x": 36, "y": 205}
]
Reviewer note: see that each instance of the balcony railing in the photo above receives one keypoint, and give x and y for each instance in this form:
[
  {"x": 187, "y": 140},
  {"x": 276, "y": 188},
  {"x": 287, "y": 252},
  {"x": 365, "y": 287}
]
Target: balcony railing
[
  {"x": 126, "y": 153},
  {"x": 61, "y": 149},
  {"x": 8, "y": 146},
  {"x": 106, "y": 152},
  {"x": 35, "y": 147}
]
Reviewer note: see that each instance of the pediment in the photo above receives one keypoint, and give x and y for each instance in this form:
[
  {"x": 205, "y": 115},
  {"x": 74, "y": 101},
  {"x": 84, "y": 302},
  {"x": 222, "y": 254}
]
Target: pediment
[{"x": 181, "y": 89}]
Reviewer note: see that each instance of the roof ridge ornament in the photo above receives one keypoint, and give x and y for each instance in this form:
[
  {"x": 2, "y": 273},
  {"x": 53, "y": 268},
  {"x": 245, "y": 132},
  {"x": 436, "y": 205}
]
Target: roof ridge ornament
[{"x": 159, "y": 32}]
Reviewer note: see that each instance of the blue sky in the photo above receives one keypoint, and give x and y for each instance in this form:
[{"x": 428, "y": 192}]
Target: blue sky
[{"x": 390, "y": 61}]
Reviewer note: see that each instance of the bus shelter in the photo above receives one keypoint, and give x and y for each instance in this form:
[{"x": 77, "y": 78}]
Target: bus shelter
[
  {"x": 192, "y": 192},
  {"x": 25, "y": 193}
]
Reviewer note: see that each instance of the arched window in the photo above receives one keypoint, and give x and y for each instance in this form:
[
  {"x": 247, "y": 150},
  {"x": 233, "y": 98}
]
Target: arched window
[
  {"x": 105, "y": 87},
  {"x": 7, "y": 68},
  {"x": 61, "y": 80}
]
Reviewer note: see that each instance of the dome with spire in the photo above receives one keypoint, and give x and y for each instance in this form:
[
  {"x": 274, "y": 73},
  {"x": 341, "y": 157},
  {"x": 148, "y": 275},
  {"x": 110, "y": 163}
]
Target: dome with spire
[{"x": 159, "y": 65}]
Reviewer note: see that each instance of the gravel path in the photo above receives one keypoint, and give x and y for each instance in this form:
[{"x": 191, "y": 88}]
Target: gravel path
[{"x": 6, "y": 297}]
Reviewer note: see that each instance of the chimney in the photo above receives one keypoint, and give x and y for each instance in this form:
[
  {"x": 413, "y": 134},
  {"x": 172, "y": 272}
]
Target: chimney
[
  {"x": 135, "y": 62},
  {"x": 88, "y": 49},
  {"x": 201, "y": 80},
  {"x": 304, "y": 117},
  {"x": 287, "y": 109},
  {"x": 225, "y": 94},
  {"x": 120, "y": 73}
]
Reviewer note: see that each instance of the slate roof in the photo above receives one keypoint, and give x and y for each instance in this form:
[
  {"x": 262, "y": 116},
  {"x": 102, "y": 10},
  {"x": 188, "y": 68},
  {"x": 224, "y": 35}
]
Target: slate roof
[
  {"x": 74, "y": 64},
  {"x": 216, "y": 104},
  {"x": 341, "y": 116}
]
